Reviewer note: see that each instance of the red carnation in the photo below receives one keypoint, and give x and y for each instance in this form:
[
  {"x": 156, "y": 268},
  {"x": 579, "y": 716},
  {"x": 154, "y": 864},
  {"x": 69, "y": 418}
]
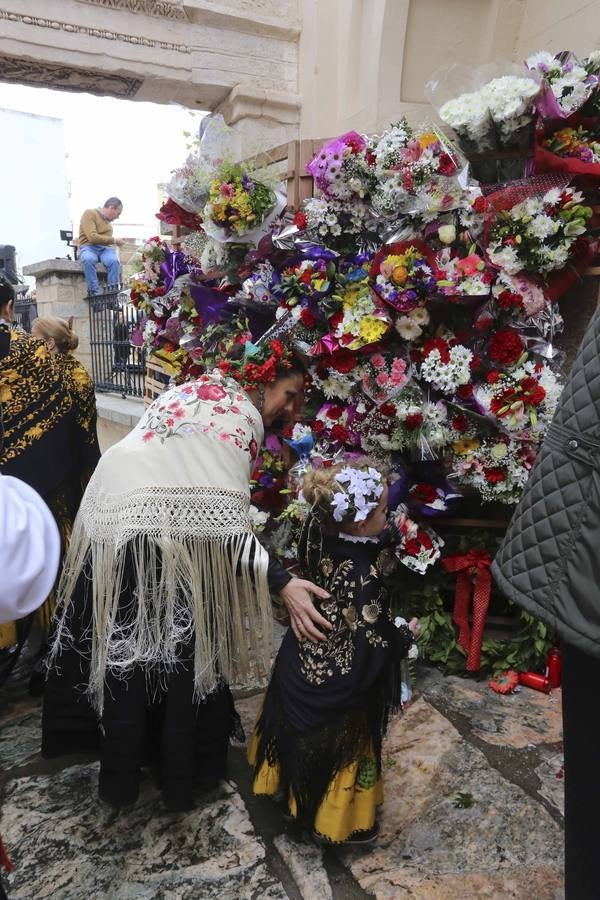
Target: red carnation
[
  {"x": 506, "y": 347},
  {"x": 355, "y": 145},
  {"x": 277, "y": 348},
  {"x": 307, "y": 318},
  {"x": 336, "y": 319},
  {"x": 480, "y": 204},
  {"x": 493, "y": 377},
  {"x": 446, "y": 164},
  {"x": 300, "y": 220},
  {"x": 508, "y": 298},
  {"x": 424, "y": 492},
  {"x": 494, "y": 476},
  {"x": 412, "y": 547},
  {"x": 475, "y": 363},
  {"x": 460, "y": 423},
  {"x": 437, "y": 344},
  {"x": 533, "y": 392},
  {"x": 426, "y": 541},
  {"x": 335, "y": 412},
  {"x": 317, "y": 426},
  {"x": 173, "y": 214},
  {"x": 343, "y": 361},
  {"x": 387, "y": 409},
  {"x": 339, "y": 433},
  {"x": 414, "y": 420},
  {"x": 465, "y": 392}
]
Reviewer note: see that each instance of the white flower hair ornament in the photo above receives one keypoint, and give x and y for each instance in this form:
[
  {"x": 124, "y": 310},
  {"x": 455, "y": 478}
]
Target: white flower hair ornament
[{"x": 360, "y": 494}]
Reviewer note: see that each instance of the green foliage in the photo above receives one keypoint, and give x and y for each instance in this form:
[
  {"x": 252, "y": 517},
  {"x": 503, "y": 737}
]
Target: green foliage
[
  {"x": 463, "y": 800},
  {"x": 432, "y": 600}
]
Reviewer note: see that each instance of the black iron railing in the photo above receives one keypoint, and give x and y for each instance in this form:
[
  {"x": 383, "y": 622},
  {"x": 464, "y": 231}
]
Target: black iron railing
[{"x": 117, "y": 365}]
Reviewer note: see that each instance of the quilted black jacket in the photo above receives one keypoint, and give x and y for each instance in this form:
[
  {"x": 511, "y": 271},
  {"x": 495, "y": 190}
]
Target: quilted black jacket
[{"x": 549, "y": 561}]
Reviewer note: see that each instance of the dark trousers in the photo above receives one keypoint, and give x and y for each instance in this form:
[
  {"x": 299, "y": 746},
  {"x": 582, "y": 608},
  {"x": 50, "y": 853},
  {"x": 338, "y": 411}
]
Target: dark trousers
[{"x": 581, "y": 723}]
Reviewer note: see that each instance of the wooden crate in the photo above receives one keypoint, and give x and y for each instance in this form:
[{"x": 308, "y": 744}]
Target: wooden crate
[{"x": 155, "y": 383}]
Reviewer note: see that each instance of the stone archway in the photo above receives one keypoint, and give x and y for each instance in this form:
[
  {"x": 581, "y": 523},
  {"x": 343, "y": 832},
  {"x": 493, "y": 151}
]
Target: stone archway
[{"x": 236, "y": 56}]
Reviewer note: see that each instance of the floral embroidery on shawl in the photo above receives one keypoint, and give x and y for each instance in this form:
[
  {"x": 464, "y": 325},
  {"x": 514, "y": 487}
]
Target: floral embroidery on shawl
[{"x": 177, "y": 414}]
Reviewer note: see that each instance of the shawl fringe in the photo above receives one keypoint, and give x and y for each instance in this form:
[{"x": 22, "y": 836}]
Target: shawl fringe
[{"x": 153, "y": 594}]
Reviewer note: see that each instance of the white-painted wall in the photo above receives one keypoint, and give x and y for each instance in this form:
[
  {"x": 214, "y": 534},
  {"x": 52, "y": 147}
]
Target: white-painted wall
[{"x": 34, "y": 195}]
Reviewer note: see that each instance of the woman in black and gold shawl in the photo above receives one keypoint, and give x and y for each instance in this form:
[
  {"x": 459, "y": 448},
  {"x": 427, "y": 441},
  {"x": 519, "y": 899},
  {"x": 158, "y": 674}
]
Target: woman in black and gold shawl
[{"x": 61, "y": 341}]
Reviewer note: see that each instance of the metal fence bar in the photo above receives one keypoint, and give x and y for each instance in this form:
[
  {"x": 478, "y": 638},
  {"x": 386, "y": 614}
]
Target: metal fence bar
[
  {"x": 25, "y": 311},
  {"x": 117, "y": 365}
]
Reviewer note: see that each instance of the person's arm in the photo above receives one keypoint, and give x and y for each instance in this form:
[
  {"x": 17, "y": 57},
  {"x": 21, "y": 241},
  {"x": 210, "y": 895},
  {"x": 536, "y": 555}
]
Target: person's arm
[{"x": 87, "y": 228}]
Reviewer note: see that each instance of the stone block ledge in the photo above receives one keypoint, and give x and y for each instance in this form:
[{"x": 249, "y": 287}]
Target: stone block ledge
[{"x": 121, "y": 410}]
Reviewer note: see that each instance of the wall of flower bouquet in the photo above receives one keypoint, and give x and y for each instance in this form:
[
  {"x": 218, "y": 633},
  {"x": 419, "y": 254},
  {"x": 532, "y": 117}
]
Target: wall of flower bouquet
[{"x": 422, "y": 282}]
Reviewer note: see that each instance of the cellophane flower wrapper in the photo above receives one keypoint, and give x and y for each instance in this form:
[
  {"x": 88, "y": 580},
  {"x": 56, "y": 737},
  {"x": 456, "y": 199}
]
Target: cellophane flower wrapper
[
  {"x": 416, "y": 547},
  {"x": 343, "y": 168},
  {"x": 403, "y": 274},
  {"x": 247, "y": 235},
  {"x": 567, "y": 84},
  {"x": 190, "y": 184},
  {"x": 496, "y": 468},
  {"x": 533, "y": 225},
  {"x": 489, "y": 109},
  {"x": 574, "y": 150},
  {"x": 419, "y": 173}
]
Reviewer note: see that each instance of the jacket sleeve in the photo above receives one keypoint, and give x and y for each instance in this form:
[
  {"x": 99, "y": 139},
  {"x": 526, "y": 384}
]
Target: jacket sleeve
[
  {"x": 277, "y": 576},
  {"x": 87, "y": 227}
]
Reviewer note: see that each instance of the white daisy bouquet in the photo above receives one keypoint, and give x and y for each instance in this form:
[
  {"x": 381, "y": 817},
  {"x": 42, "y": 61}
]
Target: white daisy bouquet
[
  {"x": 488, "y": 114},
  {"x": 445, "y": 364},
  {"x": 537, "y": 234}
]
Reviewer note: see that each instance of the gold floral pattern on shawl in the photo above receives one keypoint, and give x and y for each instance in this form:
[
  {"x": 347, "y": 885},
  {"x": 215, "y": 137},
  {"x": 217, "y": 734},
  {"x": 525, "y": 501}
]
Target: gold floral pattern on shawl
[
  {"x": 32, "y": 393},
  {"x": 348, "y": 614}
]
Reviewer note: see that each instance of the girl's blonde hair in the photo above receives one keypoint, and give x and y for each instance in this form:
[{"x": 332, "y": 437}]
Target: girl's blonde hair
[
  {"x": 59, "y": 330},
  {"x": 320, "y": 485}
]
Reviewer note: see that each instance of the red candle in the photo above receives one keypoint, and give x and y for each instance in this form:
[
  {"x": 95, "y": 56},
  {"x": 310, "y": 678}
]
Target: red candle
[
  {"x": 535, "y": 681},
  {"x": 554, "y": 667}
]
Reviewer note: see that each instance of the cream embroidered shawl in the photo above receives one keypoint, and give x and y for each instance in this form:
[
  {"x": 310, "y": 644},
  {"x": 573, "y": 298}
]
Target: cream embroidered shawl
[{"x": 174, "y": 494}]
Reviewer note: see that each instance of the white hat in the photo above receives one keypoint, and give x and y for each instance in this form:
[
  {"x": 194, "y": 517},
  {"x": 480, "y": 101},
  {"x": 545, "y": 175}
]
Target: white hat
[{"x": 29, "y": 549}]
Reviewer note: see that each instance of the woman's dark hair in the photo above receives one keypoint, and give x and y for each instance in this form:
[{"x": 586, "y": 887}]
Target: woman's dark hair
[
  {"x": 7, "y": 291},
  {"x": 297, "y": 366}
]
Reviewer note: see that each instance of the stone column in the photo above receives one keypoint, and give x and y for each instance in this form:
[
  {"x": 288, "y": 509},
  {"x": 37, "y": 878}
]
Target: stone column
[{"x": 60, "y": 291}]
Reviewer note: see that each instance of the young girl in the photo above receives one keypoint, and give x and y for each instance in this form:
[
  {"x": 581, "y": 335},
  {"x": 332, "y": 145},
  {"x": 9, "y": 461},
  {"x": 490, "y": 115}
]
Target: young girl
[{"x": 319, "y": 736}]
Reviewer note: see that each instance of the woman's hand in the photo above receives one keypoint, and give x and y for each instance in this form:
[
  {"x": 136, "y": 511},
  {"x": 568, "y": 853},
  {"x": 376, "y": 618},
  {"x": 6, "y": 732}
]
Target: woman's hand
[{"x": 303, "y": 616}]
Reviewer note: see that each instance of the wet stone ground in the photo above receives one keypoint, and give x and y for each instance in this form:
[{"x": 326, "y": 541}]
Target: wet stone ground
[{"x": 473, "y": 810}]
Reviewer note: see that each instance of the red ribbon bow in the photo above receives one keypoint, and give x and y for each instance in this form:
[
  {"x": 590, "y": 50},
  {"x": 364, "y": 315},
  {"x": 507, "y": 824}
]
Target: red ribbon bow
[{"x": 477, "y": 563}]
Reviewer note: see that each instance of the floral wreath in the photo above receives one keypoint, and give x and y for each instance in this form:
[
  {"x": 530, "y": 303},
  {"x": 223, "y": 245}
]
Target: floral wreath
[
  {"x": 360, "y": 494},
  {"x": 260, "y": 364}
]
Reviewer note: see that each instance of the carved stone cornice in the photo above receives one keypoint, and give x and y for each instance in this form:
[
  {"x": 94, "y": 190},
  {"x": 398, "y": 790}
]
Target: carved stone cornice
[
  {"x": 24, "y": 71},
  {"x": 167, "y": 9},
  {"x": 102, "y": 33}
]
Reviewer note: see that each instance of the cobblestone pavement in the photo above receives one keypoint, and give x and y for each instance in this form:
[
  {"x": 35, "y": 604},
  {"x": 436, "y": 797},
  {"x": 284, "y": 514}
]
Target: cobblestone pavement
[{"x": 501, "y": 837}]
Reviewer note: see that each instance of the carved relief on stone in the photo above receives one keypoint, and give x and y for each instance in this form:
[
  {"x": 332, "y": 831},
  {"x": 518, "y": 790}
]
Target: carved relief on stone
[
  {"x": 168, "y": 9},
  {"x": 279, "y": 9},
  {"x": 105, "y": 33},
  {"x": 63, "y": 78}
]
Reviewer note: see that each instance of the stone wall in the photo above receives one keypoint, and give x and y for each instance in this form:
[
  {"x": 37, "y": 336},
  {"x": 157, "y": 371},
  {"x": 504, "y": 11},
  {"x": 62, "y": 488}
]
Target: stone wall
[
  {"x": 60, "y": 291},
  {"x": 364, "y": 63}
]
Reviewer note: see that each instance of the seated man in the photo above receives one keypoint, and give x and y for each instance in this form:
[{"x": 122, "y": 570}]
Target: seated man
[{"x": 97, "y": 244}]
